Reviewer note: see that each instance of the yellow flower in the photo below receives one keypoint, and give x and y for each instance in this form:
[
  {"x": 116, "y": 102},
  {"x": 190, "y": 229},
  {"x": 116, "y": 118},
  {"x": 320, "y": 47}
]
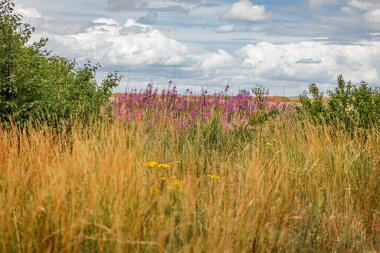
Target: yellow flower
[
  {"x": 269, "y": 144},
  {"x": 175, "y": 186},
  {"x": 177, "y": 183},
  {"x": 151, "y": 164},
  {"x": 163, "y": 179},
  {"x": 164, "y": 166},
  {"x": 214, "y": 177}
]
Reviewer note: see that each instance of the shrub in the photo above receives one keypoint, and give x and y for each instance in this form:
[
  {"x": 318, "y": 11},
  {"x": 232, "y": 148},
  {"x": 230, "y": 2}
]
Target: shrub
[
  {"x": 347, "y": 105},
  {"x": 37, "y": 85}
]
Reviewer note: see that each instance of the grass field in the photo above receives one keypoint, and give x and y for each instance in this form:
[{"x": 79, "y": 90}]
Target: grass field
[
  {"x": 83, "y": 169},
  {"x": 287, "y": 186}
]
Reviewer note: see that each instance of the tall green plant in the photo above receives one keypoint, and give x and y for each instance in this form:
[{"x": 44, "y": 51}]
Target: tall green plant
[
  {"x": 347, "y": 105},
  {"x": 13, "y": 36}
]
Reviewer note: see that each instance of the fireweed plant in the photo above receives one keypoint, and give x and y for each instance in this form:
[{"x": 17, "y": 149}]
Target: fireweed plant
[{"x": 236, "y": 111}]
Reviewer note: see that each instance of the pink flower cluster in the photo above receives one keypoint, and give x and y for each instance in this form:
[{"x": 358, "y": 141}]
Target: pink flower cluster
[{"x": 184, "y": 110}]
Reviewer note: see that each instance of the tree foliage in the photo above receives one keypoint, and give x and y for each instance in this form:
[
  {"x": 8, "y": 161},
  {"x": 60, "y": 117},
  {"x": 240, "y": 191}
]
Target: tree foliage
[
  {"x": 37, "y": 85},
  {"x": 347, "y": 105}
]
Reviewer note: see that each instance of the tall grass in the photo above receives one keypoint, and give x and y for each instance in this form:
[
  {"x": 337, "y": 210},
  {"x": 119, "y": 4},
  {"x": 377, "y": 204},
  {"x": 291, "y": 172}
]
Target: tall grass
[{"x": 286, "y": 187}]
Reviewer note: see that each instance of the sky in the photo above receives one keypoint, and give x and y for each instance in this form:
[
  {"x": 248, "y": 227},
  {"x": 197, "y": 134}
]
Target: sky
[{"x": 283, "y": 45}]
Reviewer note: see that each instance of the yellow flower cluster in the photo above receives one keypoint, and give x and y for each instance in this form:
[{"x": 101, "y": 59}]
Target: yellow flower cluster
[
  {"x": 166, "y": 182},
  {"x": 151, "y": 164},
  {"x": 154, "y": 164},
  {"x": 176, "y": 183},
  {"x": 214, "y": 177},
  {"x": 164, "y": 166}
]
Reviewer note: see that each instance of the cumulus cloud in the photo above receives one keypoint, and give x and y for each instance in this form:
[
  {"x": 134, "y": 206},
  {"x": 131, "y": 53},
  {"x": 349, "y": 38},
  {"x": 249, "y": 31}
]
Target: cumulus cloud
[
  {"x": 244, "y": 10},
  {"x": 312, "y": 61},
  {"x": 135, "y": 44},
  {"x": 130, "y": 44},
  {"x": 210, "y": 60},
  {"x": 143, "y": 46}
]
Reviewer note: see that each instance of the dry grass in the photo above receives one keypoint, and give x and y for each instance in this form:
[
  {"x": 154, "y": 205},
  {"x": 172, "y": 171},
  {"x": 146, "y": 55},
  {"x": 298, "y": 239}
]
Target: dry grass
[{"x": 289, "y": 188}]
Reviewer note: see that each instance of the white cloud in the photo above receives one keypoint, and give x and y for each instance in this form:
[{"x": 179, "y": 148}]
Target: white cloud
[
  {"x": 225, "y": 28},
  {"x": 27, "y": 12},
  {"x": 312, "y": 61},
  {"x": 365, "y": 4},
  {"x": 209, "y": 60},
  {"x": 297, "y": 64},
  {"x": 106, "y": 21},
  {"x": 244, "y": 10},
  {"x": 373, "y": 16},
  {"x": 371, "y": 9},
  {"x": 110, "y": 43}
]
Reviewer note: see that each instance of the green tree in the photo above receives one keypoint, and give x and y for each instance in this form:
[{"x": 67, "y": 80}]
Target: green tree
[
  {"x": 13, "y": 36},
  {"x": 348, "y": 106},
  {"x": 37, "y": 85}
]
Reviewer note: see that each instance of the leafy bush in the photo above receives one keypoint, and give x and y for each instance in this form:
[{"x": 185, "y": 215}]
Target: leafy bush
[
  {"x": 37, "y": 85},
  {"x": 347, "y": 105}
]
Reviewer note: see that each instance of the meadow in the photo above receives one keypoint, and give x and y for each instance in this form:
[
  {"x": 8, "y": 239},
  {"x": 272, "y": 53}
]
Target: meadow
[
  {"x": 174, "y": 173},
  {"x": 86, "y": 170}
]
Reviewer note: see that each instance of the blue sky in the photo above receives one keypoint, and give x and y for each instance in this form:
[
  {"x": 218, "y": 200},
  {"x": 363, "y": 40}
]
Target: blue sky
[{"x": 281, "y": 44}]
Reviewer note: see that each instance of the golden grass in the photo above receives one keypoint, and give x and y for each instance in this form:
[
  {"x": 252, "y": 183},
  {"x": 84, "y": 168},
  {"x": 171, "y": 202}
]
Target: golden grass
[{"x": 290, "y": 188}]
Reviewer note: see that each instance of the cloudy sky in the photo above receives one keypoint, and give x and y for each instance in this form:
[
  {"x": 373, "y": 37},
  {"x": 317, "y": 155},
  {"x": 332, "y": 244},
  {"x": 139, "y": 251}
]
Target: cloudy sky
[{"x": 281, "y": 44}]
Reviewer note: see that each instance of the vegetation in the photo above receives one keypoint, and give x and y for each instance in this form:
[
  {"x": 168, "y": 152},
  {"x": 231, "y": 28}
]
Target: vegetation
[
  {"x": 178, "y": 173},
  {"x": 233, "y": 112},
  {"x": 37, "y": 85},
  {"x": 289, "y": 188},
  {"x": 347, "y": 106}
]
